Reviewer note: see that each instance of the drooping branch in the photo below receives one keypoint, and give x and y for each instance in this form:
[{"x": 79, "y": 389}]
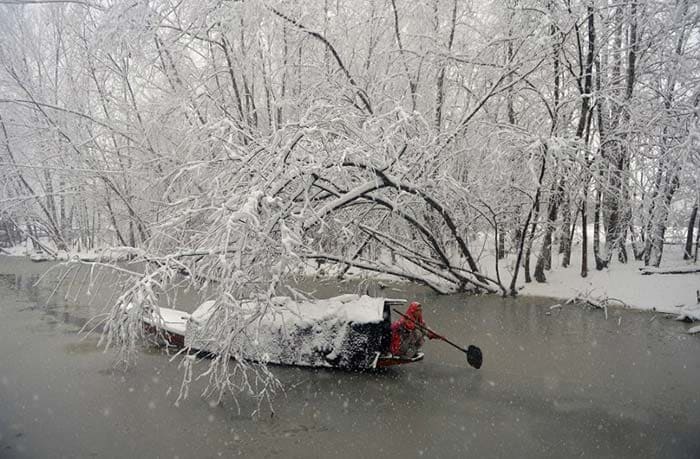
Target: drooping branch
[
  {"x": 430, "y": 200},
  {"x": 383, "y": 269},
  {"x": 430, "y": 239},
  {"x": 343, "y": 200}
]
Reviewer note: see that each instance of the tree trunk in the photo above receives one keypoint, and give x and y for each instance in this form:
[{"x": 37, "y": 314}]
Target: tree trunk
[
  {"x": 569, "y": 237},
  {"x": 656, "y": 236},
  {"x": 585, "y": 81},
  {"x": 615, "y": 196},
  {"x": 668, "y": 174},
  {"x": 440, "y": 84},
  {"x": 544, "y": 261},
  {"x": 565, "y": 240},
  {"x": 637, "y": 244},
  {"x": 530, "y": 239},
  {"x": 697, "y": 243},
  {"x": 584, "y": 234},
  {"x": 501, "y": 245},
  {"x": 524, "y": 232},
  {"x": 688, "y": 252},
  {"x": 600, "y": 262}
]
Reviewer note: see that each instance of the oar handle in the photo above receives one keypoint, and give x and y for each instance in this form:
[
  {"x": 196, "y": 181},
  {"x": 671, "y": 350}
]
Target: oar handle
[
  {"x": 474, "y": 356},
  {"x": 425, "y": 328}
]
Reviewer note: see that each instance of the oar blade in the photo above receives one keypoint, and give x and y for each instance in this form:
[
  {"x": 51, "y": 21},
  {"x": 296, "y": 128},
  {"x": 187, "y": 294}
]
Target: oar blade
[{"x": 474, "y": 356}]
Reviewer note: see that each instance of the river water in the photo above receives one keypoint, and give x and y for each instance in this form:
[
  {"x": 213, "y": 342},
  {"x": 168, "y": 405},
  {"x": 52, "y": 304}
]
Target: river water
[{"x": 559, "y": 382}]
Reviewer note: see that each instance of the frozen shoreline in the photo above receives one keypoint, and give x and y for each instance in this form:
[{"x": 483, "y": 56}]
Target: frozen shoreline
[{"x": 620, "y": 284}]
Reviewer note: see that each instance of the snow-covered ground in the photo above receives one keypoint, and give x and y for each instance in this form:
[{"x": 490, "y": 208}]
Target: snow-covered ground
[{"x": 623, "y": 282}]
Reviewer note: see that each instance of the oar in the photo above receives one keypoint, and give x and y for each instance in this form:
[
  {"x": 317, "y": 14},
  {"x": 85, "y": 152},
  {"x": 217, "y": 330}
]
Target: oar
[{"x": 474, "y": 356}]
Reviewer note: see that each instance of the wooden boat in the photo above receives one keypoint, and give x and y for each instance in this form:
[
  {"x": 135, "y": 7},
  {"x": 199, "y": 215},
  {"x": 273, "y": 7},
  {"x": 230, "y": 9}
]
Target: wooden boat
[{"x": 349, "y": 331}]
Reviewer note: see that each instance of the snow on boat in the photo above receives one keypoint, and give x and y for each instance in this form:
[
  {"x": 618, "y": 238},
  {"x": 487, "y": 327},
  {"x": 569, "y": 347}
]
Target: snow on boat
[{"x": 348, "y": 331}]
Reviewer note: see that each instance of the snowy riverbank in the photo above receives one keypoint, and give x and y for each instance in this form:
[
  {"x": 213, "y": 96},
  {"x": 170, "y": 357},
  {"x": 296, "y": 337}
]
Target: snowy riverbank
[
  {"x": 619, "y": 285},
  {"x": 665, "y": 293},
  {"x": 102, "y": 254},
  {"x": 624, "y": 284}
]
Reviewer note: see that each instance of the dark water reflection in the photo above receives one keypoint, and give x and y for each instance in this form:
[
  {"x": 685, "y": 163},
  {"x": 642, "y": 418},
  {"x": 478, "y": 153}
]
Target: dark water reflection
[{"x": 556, "y": 383}]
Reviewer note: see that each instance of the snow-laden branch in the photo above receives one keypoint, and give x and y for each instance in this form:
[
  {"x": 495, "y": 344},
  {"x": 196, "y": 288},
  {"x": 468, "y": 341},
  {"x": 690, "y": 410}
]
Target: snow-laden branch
[{"x": 383, "y": 269}]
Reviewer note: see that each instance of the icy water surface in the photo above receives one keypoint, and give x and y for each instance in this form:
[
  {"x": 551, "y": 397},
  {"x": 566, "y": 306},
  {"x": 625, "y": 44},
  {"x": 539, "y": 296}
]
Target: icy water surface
[{"x": 563, "y": 382}]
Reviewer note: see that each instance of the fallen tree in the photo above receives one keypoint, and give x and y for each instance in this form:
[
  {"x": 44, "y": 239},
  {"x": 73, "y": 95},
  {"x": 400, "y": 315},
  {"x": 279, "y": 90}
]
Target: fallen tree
[{"x": 649, "y": 270}]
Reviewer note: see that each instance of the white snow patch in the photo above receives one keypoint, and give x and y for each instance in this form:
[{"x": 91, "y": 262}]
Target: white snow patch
[
  {"x": 167, "y": 319},
  {"x": 689, "y": 313}
]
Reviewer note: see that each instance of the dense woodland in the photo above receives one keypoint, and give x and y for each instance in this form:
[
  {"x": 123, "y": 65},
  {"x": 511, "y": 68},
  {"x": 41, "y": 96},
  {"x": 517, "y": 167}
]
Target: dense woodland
[{"x": 217, "y": 133}]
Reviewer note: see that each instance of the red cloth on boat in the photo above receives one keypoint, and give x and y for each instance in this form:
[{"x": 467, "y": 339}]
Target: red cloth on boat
[{"x": 406, "y": 337}]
